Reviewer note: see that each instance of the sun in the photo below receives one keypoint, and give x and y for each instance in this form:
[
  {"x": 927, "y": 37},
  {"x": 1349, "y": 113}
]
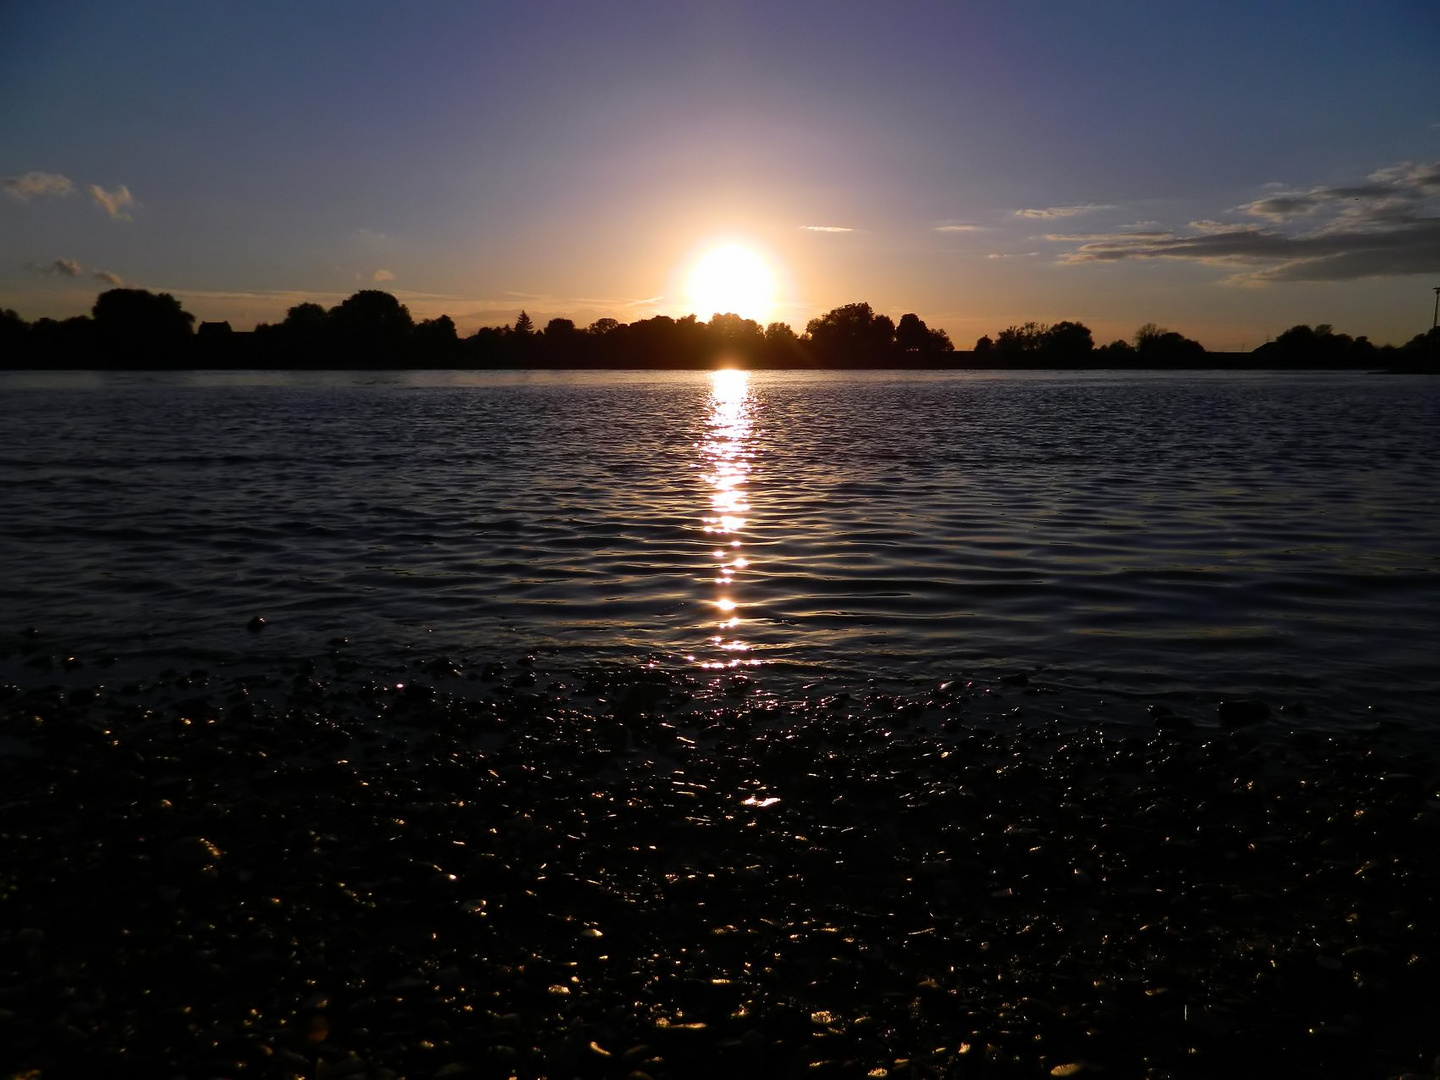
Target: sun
[{"x": 731, "y": 279}]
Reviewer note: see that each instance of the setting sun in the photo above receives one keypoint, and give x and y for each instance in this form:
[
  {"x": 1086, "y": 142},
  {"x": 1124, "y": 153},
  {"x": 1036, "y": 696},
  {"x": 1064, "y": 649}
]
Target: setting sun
[{"x": 731, "y": 279}]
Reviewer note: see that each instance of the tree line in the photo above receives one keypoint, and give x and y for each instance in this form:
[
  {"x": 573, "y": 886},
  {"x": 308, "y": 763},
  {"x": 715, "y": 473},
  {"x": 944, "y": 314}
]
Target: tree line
[{"x": 134, "y": 328}]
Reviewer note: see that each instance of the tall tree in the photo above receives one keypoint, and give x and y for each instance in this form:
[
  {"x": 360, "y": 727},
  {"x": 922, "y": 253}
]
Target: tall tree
[
  {"x": 915, "y": 342},
  {"x": 372, "y": 328},
  {"x": 851, "y": 336},
  {"x": 136, "y": 327}
]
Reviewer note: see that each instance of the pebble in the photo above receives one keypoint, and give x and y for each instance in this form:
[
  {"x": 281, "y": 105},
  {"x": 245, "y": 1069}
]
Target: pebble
[{"x": 419, "y": 882}]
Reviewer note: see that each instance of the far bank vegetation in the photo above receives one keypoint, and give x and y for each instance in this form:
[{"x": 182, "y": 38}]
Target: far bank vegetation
[{"x": 134, "y": 328}]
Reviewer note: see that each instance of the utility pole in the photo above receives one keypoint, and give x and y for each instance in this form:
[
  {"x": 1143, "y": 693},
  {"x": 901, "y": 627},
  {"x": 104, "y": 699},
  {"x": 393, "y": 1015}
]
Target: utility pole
[{"x": 1434, "y": 322}]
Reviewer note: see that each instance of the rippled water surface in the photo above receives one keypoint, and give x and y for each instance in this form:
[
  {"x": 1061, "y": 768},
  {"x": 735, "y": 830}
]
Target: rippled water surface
[{"x": 1151, "y": 535}]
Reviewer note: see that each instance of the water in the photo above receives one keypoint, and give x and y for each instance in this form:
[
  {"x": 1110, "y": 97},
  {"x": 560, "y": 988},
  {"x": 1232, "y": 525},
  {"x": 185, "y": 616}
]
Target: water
[{"x": 1156, "y": 537}]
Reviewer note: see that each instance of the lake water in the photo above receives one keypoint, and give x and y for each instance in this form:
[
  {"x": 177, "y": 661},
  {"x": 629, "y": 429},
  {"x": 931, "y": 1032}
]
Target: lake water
[{"x": 1174, "y": 538}]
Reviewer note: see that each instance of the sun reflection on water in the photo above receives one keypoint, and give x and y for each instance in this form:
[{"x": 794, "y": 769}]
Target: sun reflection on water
[{"x": 726, "y": 453}]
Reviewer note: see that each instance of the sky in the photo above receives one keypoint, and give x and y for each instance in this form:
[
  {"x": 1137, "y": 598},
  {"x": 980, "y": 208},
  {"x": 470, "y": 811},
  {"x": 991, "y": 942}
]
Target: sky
[{"x": 1225, "y": 169}]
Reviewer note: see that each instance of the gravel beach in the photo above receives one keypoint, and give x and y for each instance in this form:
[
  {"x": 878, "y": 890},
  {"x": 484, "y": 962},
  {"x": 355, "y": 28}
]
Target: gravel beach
[{"x": 502, "y": 871}]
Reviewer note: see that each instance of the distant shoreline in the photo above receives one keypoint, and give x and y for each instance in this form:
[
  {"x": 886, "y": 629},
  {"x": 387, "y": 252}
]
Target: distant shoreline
[{"x": 136, "y": 330}]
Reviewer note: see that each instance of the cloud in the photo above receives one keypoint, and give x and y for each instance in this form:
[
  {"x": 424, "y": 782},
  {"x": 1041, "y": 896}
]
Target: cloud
[
  {"x": 1061, "y": 211},
  {"x": 826, "y": 228},
  {"x": 1386, "y": 226},
  {"x": 31, "y": 184},
  {"x": 1090, "y": 238},
  {"x": 383, "y": 275},
  {"x": 113, "y": 202},
  {"x": 64, "y": 267},
  {"x": 71, "y": 269},
  {"x": 959, "y": 228}
]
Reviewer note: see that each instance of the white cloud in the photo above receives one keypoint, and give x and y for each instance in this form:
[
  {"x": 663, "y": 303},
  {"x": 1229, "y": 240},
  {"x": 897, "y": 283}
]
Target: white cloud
[
  {"x": 1061, "y": 211},
  {"x": 826, "y": 228},
  {"x": 113, "y": 202},
  {"x": 31, "y": 184},
  {"x": 109, "y": 278},
  {"x": 383, "y": 275}
]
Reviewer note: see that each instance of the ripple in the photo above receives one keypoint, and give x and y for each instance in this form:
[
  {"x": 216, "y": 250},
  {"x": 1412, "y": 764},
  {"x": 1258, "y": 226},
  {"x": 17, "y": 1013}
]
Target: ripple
[{"x": 1174, "y": 530}]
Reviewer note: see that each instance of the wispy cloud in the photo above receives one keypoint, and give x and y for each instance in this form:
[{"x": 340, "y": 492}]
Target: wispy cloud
[
  {"x": 113, "y": 202},
  {"x": 383, "y": 275},
  {"x": 64, "y": 267},
  {"x": 826, "y": 228},
  {"x": 1118, "y": 235},
  {"x": 24, "y": 188},
  {"x": 1048, "y": 212},
  {"x": 1386, "y": 226},
  {"x": 959, "y": 228},
  {"x": 71, "y": 269}
]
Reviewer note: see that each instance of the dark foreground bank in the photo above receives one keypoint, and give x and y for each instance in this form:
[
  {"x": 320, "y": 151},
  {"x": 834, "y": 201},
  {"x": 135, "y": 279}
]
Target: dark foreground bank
[{"x": 494, "y": 873}]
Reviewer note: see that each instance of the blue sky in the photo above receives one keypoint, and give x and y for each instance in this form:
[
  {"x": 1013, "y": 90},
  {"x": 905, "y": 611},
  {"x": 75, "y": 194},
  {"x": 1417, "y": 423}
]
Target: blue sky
[{"x": 1226, "y": 170}]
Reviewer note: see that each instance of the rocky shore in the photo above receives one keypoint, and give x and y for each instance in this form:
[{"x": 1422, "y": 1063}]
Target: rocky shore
[{"x": 491, "y": 871}]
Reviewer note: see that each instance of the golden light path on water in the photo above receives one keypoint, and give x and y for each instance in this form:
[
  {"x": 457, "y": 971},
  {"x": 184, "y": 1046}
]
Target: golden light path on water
[{"x": 727, "y": 453}]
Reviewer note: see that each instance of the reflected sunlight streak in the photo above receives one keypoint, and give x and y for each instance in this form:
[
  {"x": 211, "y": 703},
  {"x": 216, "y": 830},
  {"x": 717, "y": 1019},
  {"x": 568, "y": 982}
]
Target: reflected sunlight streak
[{"x": 727, "y": 454}]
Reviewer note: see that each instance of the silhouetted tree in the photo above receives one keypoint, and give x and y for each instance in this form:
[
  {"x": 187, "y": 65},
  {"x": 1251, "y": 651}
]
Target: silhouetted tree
[
  {"x": 1423, "y": 350},
  {"x": 435, "y": 340},
  {"x": 1157, "y": 347},
  {"x": 218, "y": 346},
  {"x": 1147, "y": 334},
  {"x": 523, "y": 325},
  {"x": 1015, "y": 342},
  {"x": 70, "y": 342},
  {"x": 563, "y": 344},
  {"x": 14, "y": 339},
  {"x": 782, "y": 347},
  {"x": 301, "y": 340},
  {"x": 371, "y": 328},
  {"x": 851, "y": 336},
  {"x": 1068, "y": 341},
  {"x": 1319, "y": 346},
  {"x": 138, "y": 328},
  {"x": 307, "y": 320},
  {"x": 735, "y": 337},
  {"x": 916, "y": 343},
  {"x": 911, "y": 334},
  {"x": 1037, "y": 344},
  {"x": 1119, "y": 353},
  {"x": 486, "y": 348}
]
